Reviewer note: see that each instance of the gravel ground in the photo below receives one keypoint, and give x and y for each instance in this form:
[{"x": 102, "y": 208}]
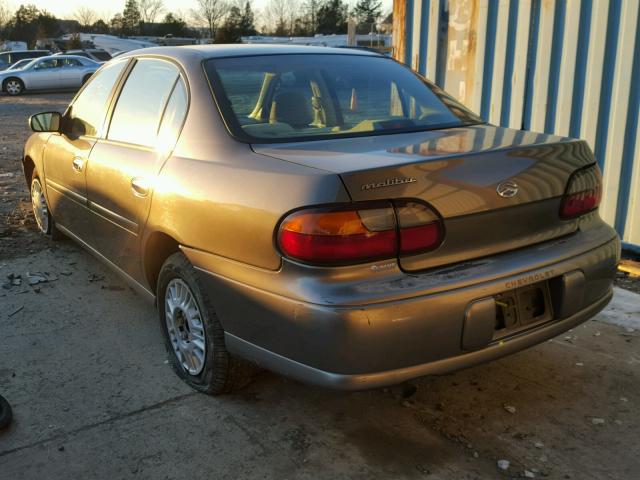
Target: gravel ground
[
  {"x": 628, "y": 282},
  {"x": 82, "y": 362},
  {"x": 17, "y": 226}
]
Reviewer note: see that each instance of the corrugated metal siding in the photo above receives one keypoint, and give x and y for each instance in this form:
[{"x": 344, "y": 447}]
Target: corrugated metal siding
[{"x": 569, "y": 67}]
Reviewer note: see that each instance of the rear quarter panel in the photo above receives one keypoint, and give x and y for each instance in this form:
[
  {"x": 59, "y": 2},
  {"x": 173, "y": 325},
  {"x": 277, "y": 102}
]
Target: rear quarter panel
[{"x": 231, "y": 206}]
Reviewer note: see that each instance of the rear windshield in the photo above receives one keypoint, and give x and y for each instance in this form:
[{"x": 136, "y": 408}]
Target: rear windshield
[
  {"x": 275, "y": 98},
  {"x": 103, "y": 56}
]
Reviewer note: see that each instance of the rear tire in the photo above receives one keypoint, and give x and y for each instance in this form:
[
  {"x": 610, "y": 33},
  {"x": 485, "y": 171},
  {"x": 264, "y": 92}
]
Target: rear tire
[
  {"x": 86, "y": 79},
  {"x": 193, "y": 335},
  {"x": 13, "y": 86}
]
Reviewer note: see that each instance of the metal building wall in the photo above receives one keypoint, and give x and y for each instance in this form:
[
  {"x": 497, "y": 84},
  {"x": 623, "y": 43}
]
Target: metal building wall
[{"x": 569, "y": 67}]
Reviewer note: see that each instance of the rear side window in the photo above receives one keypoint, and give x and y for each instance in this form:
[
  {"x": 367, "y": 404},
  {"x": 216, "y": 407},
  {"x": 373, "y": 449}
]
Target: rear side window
[
  {"x": 47, "y": 64},
  {"x": 88, "y": 111},
  {"x": 173, "y": 117},
  {"x": 136, "y": 117}
]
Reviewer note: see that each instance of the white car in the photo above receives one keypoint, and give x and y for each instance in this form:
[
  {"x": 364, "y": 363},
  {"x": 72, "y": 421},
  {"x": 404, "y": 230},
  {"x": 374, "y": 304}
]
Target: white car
[
  {"x": 59, "y": 72},
  {"x": 97, "y": 54}
]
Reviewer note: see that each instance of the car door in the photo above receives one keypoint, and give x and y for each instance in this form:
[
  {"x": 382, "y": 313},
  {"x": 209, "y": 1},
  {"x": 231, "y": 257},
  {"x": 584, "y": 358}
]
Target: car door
[
  {"x": 123, "y": 166},
  {"x": 66, "y": 154},
  {"x": 43, "y": 74},
  {"x": 71, "y": 71}
]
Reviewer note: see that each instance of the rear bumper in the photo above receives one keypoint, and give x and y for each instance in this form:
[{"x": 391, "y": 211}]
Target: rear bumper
[
  {"x": 393, "y": 327},
  {"x": 308, "y": 374}
]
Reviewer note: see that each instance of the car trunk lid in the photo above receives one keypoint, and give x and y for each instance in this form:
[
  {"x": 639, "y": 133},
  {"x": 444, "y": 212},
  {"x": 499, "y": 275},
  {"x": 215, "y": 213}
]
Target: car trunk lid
[{"x": 459, "y": 172}]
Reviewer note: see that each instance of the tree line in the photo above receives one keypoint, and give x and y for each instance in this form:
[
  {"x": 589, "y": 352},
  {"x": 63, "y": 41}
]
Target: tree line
[{"x": 224, "y": 21}]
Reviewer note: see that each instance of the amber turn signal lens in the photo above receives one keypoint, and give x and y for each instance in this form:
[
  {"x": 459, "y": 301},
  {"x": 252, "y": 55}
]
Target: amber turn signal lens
[{"x": 338, "y": 236}]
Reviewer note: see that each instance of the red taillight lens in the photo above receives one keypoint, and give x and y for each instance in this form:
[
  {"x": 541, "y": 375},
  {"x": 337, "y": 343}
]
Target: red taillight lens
[
  {"x": 416, "y": 240},
  {"x": 580, "y": 203},
  {"x": 420, "y": 227},
  {"x": 359, "y": 233},
  {"x": 335, "y": 236},
  {"x": 583, "y": 193}
]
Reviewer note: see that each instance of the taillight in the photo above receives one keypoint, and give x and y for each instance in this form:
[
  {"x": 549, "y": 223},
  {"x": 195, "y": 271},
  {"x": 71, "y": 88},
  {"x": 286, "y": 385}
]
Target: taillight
[
  {"x": 583, "y": 193},
  {"x": 419, "y": 226},
  {"x": 359, "y": 233}
]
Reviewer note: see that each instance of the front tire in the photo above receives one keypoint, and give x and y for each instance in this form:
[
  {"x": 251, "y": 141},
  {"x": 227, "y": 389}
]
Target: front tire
[
  {"x": 13, "y": 86},
  {"x": 193, "y": 335},
  {"x": 40, "y": 206},
  {"x": 41, "y": 212}
]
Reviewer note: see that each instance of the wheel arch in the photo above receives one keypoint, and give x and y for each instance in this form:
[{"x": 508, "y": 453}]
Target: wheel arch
[
  {"x": 28, "y": 167},
  {"x": 32, "y": 157},
  {"x": 4, "y": 82},
  {"x": 158, "y": 247}
]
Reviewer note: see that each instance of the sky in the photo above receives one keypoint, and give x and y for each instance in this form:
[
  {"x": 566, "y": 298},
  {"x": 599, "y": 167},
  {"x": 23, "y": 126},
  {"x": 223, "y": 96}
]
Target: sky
[{"x": 107, "y": 8}]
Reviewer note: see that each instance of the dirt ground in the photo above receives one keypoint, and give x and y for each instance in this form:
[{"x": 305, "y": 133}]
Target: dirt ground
[
  {"x": 82, "y": 363},
  {"x": 17, "y": 233}
]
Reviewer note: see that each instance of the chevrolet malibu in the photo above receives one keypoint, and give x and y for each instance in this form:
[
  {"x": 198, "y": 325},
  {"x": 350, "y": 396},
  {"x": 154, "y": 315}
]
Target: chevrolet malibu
[{"x": 323, "y": 213}]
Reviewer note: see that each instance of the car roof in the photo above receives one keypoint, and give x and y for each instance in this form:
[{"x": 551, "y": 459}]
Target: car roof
[
  {"x": 58, "y": 57},
  {"x": 187, "y": 52}
]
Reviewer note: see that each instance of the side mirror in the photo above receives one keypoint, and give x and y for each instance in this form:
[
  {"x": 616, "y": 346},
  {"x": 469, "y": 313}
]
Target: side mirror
[{"x": 45, "y": 122}]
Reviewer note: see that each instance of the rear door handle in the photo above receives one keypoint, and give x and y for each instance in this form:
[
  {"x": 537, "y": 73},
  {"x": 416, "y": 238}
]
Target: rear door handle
[
  {"x": 140, "y": 186},
  {"x": 78, "y": 164}
]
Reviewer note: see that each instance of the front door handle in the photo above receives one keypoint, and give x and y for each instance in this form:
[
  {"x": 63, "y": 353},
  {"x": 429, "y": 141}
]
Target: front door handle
[
  {"x": 140, "y": 186},
  {"x": 78, "y": 164}
]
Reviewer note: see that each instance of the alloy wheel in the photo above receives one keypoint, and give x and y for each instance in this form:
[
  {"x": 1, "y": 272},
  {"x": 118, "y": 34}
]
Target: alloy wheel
[
  {"x": 39, "y": 205},
  {"x": 185, "y": 326},
  {"x": 13, "y": 87}
]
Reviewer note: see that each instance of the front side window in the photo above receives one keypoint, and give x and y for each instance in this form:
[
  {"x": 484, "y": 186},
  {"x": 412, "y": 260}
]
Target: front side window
[
  {"x": 304, "y": 97},
  {"x": 47, "y": 64},
  {"x": 136, "y": 117},
  {"x": 89, "y": 108}
]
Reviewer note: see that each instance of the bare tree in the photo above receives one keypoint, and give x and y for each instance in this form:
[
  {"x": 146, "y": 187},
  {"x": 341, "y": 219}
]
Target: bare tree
[
  {"x": 210, "y": 13},
  {"x": 104, "y": 15},
  {"x": 85, "y": 16},
  {"x": 281, "y": 15},
  {"x": 150, "y": 9},
  {"x": 6, "y": 12}
]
